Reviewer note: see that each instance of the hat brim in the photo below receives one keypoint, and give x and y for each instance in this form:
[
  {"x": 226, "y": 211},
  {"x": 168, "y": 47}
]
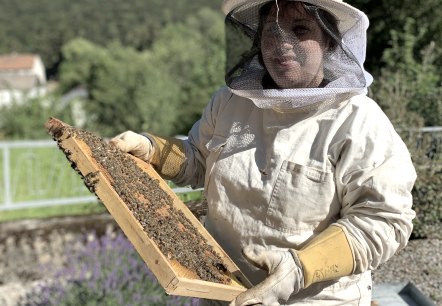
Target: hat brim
[{"x": 347, "y": 15}]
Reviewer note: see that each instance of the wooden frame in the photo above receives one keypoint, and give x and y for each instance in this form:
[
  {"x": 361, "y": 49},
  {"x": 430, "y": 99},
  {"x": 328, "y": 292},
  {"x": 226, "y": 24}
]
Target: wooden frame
[{"x": 173, "y": 277}]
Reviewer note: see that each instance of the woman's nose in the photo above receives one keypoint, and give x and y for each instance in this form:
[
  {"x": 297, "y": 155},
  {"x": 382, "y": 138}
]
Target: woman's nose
[
  {"x": 284, "y": 40},
  {"x": 284, "y": 47}
]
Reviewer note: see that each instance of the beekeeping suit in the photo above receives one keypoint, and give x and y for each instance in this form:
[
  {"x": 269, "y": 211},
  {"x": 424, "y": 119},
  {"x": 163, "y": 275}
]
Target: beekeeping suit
[{"x": 308, "y": 184}]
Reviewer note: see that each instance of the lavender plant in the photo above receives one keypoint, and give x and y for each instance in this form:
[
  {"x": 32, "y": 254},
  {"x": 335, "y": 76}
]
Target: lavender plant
[{"x": 106, "y": 271}]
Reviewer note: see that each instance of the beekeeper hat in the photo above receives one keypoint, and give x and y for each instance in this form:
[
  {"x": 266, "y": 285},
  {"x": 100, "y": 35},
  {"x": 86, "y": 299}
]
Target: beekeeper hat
[
  {"x": 343, "y": 71},
  {"x": 247, "y": 11}
]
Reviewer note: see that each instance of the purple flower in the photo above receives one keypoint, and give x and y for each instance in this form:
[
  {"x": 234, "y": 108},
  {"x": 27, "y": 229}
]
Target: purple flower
[{"x": 105, "y": 271}]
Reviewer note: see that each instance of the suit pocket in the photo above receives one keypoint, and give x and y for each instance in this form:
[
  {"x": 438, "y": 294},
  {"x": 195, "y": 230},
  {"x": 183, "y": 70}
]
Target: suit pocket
[{"x": 301, "y": 198}]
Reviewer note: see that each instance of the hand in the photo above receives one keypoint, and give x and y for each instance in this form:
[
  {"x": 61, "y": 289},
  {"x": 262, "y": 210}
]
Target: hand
[
  {"x": 135, "y": 144},
  {"x": 285, "y": 277}
]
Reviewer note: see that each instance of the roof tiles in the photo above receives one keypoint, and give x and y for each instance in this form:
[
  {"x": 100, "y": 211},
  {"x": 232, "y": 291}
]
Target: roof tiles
[{"x": 17, "y": 61}]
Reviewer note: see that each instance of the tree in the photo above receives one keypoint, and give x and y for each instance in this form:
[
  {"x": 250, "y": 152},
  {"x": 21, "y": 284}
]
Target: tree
[
  {"x": 44, "y": 26},
  {"x": 25, "y": 119},
  {"x": 193, "y": 54},
  {"x": 126, "y": 91},
  {"x": 408, "y": 87},
  {"x": 391, "y": 15},
  {"x": 162, "y": 90}
]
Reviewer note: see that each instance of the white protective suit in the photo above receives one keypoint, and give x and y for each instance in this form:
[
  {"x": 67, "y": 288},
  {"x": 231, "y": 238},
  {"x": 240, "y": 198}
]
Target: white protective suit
[{"x": 277, "y": 177}]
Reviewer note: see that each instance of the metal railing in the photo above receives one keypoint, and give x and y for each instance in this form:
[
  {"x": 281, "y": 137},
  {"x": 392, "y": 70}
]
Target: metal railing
[
  {"x": 36, "y": 174},
  {"x": 425, "y": 145}
]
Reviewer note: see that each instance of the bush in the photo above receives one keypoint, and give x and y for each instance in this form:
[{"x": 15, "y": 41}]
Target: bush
[
  {"x": 426, "y": 150},
  {"x": 24, "y": 119},
  {"x": 428, "y": 203},
  {"x": 408, "y": 86},
  {"x": 105, "y": 271}
]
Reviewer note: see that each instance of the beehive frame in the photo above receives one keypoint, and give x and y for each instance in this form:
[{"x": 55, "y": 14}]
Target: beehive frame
[{"x": 173, "y": 277}]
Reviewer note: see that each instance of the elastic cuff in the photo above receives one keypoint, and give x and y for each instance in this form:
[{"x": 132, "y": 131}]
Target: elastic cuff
[{"x": 154, "y": 146}]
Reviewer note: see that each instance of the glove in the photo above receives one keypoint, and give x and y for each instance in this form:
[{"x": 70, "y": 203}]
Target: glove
[
  {"x": 165, "y": 154},
  {"x": 327, "y": 256},
  {"x": 285, "y": 277},
  {"x": 135, "y": 144}
]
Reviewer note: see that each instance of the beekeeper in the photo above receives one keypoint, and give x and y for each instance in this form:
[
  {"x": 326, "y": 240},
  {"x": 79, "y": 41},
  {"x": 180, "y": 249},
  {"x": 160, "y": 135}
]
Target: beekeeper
[{"x": 307, "y": 182}]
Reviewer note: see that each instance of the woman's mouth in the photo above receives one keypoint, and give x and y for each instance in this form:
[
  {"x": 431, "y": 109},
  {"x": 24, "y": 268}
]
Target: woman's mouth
[{"x": 286, "y": 60}]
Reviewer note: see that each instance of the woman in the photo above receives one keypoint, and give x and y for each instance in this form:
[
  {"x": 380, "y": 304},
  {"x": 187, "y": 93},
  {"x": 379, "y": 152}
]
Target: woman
[{"x": 308, "y": 184}]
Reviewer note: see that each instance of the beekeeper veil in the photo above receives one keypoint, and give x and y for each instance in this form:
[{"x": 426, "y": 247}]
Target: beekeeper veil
[{"x": 285, "y": 54}]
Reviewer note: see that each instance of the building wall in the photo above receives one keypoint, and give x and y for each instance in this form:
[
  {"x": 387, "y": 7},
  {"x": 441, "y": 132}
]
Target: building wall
[{"x": 17, "y": 92}]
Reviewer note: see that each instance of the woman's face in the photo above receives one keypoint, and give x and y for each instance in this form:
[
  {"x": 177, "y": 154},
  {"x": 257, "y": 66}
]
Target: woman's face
[{"x": 293, "y": 46}]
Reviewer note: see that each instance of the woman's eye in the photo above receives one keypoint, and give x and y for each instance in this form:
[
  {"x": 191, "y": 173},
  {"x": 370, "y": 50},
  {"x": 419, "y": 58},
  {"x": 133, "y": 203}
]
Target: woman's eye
[
  {"x": 300, "y": 30},
  {"x": 270, "y": 29}
]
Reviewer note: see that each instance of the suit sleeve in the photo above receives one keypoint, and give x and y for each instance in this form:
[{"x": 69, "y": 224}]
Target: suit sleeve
[
  {"x": 194, "y": 168},
  {"x": 374, "y": 177}
]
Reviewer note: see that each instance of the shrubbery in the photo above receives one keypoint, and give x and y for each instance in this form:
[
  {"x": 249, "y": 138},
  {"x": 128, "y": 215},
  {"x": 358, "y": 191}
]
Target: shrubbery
[
  {"x": 408, "y": 90},
  {"x": 426, "y": 152},
  {"x": 428, "y": 203},
  {"x": 103, "y": 270}
]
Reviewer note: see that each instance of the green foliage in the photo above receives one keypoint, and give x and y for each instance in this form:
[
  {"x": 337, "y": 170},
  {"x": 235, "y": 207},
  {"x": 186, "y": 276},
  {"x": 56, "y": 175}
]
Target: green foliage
[
  {"x": 428, "y": 203},
  {"x": 427, "y": 99},
  {"x": 163, "y": 90},
  {"x": 192, "y": 53},
  {"x": 426, "y": 152},
  {"x": 125, "y": 90},
  {"x": 81, "y": 61},
  {"x": 408, "y": 88},
  {"x": 26, "y": 25},
  {"x": 25, "y": 119},
  {"x": 44, "y": 26},
  {"x": 391, "y": 15}
]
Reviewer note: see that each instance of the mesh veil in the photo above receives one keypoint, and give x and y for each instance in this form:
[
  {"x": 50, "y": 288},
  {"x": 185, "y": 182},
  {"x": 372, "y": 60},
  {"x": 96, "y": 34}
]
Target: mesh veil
[{"x": 285, "y": 55}]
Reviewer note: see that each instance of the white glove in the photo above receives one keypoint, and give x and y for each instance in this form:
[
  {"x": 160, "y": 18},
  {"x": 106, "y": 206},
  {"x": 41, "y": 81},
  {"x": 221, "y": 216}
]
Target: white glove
[
  {"x": 135, "y": 144},
  {"x": 285, "y": 277}
]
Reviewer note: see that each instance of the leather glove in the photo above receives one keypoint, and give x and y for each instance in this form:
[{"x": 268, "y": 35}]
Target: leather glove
[
  {"x": 166, "y": 154},
  {"x": 327, "y": 256},
  {"x": 135, "y": 144},
  {"x": 285, "y": 277}
]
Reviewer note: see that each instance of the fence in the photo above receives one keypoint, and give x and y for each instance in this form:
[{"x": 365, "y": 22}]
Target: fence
[
  {"x": 36, "y": 173},
  {"x": 425, "y": 145}
]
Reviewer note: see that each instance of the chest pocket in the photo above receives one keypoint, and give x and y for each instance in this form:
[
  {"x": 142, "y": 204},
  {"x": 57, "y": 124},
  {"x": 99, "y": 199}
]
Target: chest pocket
[{"x": 301, "y": 198}]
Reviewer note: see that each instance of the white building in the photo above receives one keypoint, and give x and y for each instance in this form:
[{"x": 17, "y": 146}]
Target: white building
[{"x": 21, "y": 76}]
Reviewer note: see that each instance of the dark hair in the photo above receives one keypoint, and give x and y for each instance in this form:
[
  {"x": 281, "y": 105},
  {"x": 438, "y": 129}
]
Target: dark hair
[{"x": 327, "y": 22}]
